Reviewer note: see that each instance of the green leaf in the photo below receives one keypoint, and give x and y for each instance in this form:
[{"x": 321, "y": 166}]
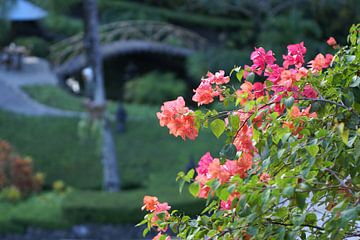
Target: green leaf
[
  {"x": 234, "y": 121},
  {"x": 141, "y": 223},
  {"x": 146, "y": 230},
  {"x": 289, "y": 102},
  {"x": 217, "y": 127},
  {"x": 224, "y": 194},
  {"x": 288, "y": 191},
  {"x": 194, "y": 189},
  {"x": 298, "y": 219},
  {"x": 345, "y": 136},
  {"x": 240, "y": 74},
  {"x": 228, "y": 151},
  {"x": 312, "y": 149},
  {"x": 355, "y": 81},
  {"x": 311, "y": 219},
  {"x": 300, "y": 200},
  {"x": 250, "y": 77}
]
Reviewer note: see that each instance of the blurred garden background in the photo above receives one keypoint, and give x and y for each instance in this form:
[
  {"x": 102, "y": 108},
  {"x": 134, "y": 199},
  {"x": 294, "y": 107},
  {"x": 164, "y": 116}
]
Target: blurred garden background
[{"x": 51, "y": 148}]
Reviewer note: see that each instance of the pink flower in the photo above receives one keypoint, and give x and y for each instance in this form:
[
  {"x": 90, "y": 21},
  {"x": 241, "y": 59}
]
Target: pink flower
[
  {"x": 204, "y": 94},
  {"x": 258, "y": 88},
  {"x": 178, "y": 118},
  {"x": 332, "y": 42},
  {"x": 260, "y": 57},
  {"x": 273, "y": 72},
  {"x": 265, "y": 178},
  {"x": 287, "y": 78},
  {"x": 204, "y": 163},
  {"x": 295, "y": 55},
  {"x": 309, "y": 92},
  {"x": 217, "y": 78},
  {"x": 216, "y": 170},
  {"x": 320, "y": 62},
  {"x": 162, "y": 207},
  {"x": 226, "y": 205}
]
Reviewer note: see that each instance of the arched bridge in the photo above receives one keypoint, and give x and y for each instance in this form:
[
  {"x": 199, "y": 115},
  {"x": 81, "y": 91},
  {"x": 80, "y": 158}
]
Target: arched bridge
[{"x": 68, "y": 55}]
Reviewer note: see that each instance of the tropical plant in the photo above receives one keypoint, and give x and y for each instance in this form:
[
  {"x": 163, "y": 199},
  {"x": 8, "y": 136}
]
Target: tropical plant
[{"x": 289, "y": 167}]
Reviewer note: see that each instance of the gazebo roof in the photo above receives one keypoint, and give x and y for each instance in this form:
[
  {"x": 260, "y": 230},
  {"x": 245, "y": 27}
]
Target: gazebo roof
[{"x": 22, "y": 10}]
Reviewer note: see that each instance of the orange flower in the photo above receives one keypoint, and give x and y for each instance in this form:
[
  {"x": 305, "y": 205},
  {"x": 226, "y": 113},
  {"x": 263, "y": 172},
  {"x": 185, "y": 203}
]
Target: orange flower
[{"x": 150, "y": 203}]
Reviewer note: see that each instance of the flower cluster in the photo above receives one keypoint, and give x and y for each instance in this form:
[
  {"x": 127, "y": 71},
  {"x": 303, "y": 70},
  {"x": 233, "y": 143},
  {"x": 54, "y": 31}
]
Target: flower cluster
[
  {"x": 210, "y": 168},
  {"x": 178, "y": 118},
  {"x": 210, "y": 88},
  {"x": 272, "y": 107},
  {"x": 156, "y": 208}
]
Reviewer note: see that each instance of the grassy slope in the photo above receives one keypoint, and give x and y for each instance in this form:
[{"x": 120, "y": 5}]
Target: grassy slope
[{"x": 147, "y": 154}]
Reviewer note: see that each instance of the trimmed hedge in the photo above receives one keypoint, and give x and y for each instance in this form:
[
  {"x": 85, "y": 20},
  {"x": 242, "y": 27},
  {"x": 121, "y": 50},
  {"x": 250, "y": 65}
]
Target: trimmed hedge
[
  {"x": 42, "y": 211},
  {"x": 185, "y": 18},
  {"x": 123, "y": 207}
]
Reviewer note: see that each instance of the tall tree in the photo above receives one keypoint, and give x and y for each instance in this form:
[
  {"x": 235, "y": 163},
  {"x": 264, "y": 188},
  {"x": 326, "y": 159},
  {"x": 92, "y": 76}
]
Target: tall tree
[{"x": 111, "y": 181}]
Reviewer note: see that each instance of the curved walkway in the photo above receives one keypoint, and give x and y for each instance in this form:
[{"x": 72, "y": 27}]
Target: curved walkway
[{"x": 12, "y": 98}]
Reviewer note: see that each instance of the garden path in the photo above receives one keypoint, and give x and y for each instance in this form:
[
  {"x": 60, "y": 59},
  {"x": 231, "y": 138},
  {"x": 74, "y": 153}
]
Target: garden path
[{"x": 14, "y": 99}]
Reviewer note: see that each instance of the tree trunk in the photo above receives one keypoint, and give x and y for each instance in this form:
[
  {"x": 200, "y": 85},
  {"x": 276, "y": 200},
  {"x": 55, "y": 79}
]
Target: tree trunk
[{"x": 111, "y": 180}]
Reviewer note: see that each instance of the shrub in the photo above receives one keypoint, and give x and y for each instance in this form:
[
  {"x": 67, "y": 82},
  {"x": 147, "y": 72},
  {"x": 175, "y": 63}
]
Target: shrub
[
  {"x": 11, "y": 194},
  {"x": 115, "y": 208},
  {"x": 62, "y": 25},
  {"x": 16, "y": 173},
  {"x": 210, "y": 60},
  {"x": 37, "y": 46},
  {"x": 153, "y": 88}
]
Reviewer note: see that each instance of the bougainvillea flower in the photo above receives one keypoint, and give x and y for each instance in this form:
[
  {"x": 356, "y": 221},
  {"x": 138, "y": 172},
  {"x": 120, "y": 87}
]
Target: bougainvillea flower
[
  {"x": 204, "y": 163},
  {"x": 296, "y": 113},
  {"x": 178, "y": 118},
  {"x": 150, "y": 203},
  {"x": 332, "y": 42},
  {"x": 258, "y": 88},
  {"x": 260, "y": 58},
  {"x": 295, "y": 55},
  {"x": 309, "y": 92},
  {"x": 264, "y": 177},
  {"x": 217, "y": 78},
  {"x": 162, "y": 207},
  {"x": 273, "y": 72},
  {"x": 320, "y": 62},
  {"x": 204, "y": 94},
  {"x": 218, "y": 171}
]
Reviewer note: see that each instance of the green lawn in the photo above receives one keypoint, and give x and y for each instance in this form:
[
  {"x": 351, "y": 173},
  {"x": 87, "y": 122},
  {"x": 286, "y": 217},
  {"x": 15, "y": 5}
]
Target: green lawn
[{"x": 148, "y": 159}]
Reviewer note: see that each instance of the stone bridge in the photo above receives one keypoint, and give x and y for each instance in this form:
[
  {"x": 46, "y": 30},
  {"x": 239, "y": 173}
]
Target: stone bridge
[{"x": 124, "y": 37}]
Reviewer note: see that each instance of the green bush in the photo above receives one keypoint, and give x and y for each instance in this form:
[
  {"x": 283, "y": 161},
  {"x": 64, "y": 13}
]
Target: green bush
[
  {"x": 153, "y": 88},
  {"x": 36, "y": 46},
  {"x": 123, "y": 207},
  {"x": 63, "y": 25},
  {"x": 4, "y": 32},
  {"x": 214, "y": 59},
  {"x": 141, "y": 11},
  {"x": 39, "y": 211}
]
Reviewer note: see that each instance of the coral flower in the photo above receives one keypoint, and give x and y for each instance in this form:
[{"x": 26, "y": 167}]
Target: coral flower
[
  {"x": 217, "y": 78},
  {"x": 320, "y": 62},
  {"x": 150, "y": 203},
  {"x": 204, "y": 94},
  {"x": 331, "y": 42},
  {"x": 178, "y": 118}
]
